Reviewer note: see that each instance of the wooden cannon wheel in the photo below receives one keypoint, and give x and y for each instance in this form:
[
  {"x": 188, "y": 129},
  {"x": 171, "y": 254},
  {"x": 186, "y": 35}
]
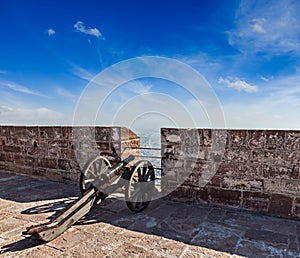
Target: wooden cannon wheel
[
  {"x": 92, "y": 171},
  {"x": 140, "y": 186}
]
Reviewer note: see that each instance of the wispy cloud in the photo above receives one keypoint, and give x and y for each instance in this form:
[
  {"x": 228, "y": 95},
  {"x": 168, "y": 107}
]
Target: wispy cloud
[
  {"x": 3, "y": 72},
  {"x": 258, "y": 25},
  {"x": 267, "y": 26},
  {"x": 51, "y": 32},
  {"x": 89, "y": 31},
  {"x": 264, "y": 78},
  {"x": 277, "y": 106},
  {"x": 19, "y": 88},
  {"x": 238, "y": 84},
  {"x": 24, "y": 116},
  {"x": 65, "y": 93},
  {"x": 82, "y": 73},
  {"x": 139, "y": 87}
]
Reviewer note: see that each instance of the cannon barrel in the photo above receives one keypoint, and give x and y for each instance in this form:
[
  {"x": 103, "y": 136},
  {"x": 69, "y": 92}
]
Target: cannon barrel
[{"x": 111, "y": 174}]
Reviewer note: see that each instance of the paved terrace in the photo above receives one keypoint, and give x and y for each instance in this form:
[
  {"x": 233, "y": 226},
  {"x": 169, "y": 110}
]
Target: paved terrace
[{"x": 165, "y": 229}]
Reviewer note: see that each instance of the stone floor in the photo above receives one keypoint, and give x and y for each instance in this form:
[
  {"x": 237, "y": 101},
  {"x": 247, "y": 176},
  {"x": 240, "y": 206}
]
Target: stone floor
[{"x": 165, "y": 229}]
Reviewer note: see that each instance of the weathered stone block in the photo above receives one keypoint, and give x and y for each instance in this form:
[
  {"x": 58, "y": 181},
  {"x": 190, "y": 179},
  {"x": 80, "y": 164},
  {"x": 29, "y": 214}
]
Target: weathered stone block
[
  {"x": 127, "y": 134},
  {"x": 61, "y": 143},
  {"x": 256, "y": 138},
  {"x": 278, "y": 157},
  {"x": 217, "y": 181},
  {"x": 191, "y": 152},
  {"x": 12, "y": 149},
  {"x": 188, "y": 137},
  {"x": 116, "y": 134},
  {"x": 224, "y": 197},
  {"x": 54, "y": 174},
  {"x": 296, "y": 207},
  {"x": 57, "y": 132},
  {"x": 48, "y": 163},
  {"x": 19, "y": 160},
  {"x": 241, "y": 154},
  {"x": 64, "y": 164},
  {"x": 6, "y": 157},
  {"x": 257, "y": 201},
  {"x": 68, "y": 177},
  {"x": 67, "y": 153},
  {"x": 279, "y": 172},
  {"x": 244, "y": 170},
  {"x": 33, "y": 132},
  {"x": 181, "y": 193},
  {"x": 172, "y": 163},
  {"x": 169, "y": 131},
  {"x": 30, "y": 161},
  {"x": 292, "y": 140},
  {"x": 103, "y": 146},
  {"x": 207, "y": 137},
  {"x": 20, "y": 132},
  {"x": 195, "y": 165},
  {"x": 24, "y": 170},
  {"x": 275, "y": 139},
  {"x": 36, "y": 151},
  {"x": 236, "y": 138},
  {"x": 242, "y": 183},
  {"x": 285, "y": 186},
  {"x": 54, "y": 151},
  {"x": 102, "y": 134},
  {"x": 280, "y": 205},
  {"x": 192, "y": 179},
  {"x": 47, "y": 132},
  {"x": 66, "y": 132},
  {"x": 200, "y": 195},
  {"x": 219, "y": 139}
]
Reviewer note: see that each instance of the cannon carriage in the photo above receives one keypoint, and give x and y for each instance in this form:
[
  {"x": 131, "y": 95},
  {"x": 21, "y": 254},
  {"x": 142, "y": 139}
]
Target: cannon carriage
[{"x": 98, "y": 180}]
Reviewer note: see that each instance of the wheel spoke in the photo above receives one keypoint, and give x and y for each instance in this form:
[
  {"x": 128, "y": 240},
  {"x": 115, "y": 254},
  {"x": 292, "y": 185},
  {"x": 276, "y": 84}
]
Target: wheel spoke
[
  {"x": 89, "y": 180},
  {"x": 140, "y": 176},
  {"x": 137, "y": 191},
  {"x": 100, "y": 166},
  {"x": 95, "y": 167},
  {"x": 144, "y": 173},
  {"x": 92, "y": 172},
  {"x": 148, "y": 174}
]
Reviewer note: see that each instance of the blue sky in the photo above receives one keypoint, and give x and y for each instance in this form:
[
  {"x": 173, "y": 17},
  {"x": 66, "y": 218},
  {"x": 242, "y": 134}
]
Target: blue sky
[{"x": 247, "y": 50}]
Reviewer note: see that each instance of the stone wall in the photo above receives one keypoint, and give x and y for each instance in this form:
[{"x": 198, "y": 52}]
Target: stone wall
[
  {"x": 247, "y": 169},
  {"x": 49, "y": 151}
]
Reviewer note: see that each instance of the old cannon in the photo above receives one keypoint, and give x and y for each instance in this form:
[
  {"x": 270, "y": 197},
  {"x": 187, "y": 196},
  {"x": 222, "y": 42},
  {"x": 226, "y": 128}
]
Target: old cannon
[{"x": 98, "y": 180}]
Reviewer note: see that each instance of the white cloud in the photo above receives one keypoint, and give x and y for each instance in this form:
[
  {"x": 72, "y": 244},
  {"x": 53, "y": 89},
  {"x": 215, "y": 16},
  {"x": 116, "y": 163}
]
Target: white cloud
[
  {"x": 264, "y": 78},
  {"x": 139, "y": 87},
  {"x": 19, "y": 88},
  {"x": 51, "y": 32},
  {"x": 3, "y": 72},
  {"x": 258, "y": 25},
  {"x": 81, "y": 72},
  {"x": 65, "y": 93},
  {"x": 278, "y": 106},
  {"x": 89, "y": 31},
  {"x": 238, "y": 84},
  {"x": 267, "y": 26},
  {"x": 38, "y": 116}
]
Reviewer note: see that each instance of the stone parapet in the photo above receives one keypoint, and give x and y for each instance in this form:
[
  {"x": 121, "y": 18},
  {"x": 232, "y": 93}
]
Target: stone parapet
[
  {"x": 246, "y": 169},
  {"x": 48, "y": 151}
]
